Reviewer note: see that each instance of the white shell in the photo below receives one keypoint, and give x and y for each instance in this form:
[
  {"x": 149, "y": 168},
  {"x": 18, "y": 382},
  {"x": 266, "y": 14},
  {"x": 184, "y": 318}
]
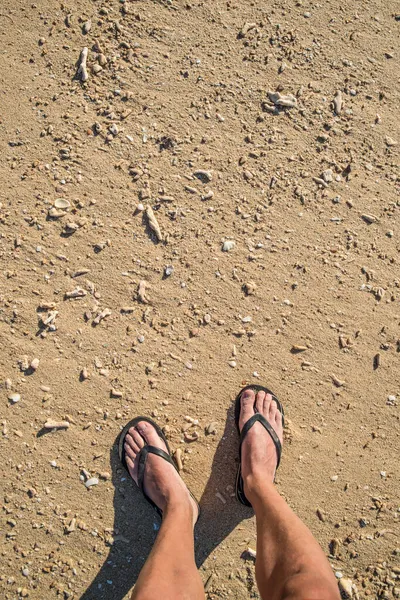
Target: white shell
[
  {"x": 91, "y": 481},
  {"x": 62, "y": 203}
]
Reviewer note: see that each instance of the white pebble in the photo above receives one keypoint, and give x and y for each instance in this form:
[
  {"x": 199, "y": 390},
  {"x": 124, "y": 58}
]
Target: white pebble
[
  {"x": 14, "y": 397},
  {"x": 334, "y": 478},
  {"x": 338, "y": 575},
  {"x": 34, "y": 364},
  {"x": 228, "y": 245},
  {"x": 232, "y": 363},
  {"x": 91, "y": 481}
]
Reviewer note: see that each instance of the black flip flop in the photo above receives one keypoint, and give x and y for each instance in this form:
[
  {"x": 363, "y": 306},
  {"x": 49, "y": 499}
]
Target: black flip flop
[
  {"x": 240, "y": 495},
  {"x": 143, "y": 454}
]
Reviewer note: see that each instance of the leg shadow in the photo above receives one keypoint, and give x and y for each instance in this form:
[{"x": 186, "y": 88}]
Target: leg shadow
[
  {"x": 135, "y": 529},
  {"x": 217, "y": 519},
  {"x": 136, "y": 523}
]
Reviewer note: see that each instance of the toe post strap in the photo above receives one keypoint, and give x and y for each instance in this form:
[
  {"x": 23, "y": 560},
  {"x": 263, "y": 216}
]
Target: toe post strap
[
  {"x": 142, "y": 458},
  {"x": 258, "y": 418}
]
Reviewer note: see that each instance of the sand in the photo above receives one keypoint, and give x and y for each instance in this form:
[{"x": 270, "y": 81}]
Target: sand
[{"x": 181, "y": 121}]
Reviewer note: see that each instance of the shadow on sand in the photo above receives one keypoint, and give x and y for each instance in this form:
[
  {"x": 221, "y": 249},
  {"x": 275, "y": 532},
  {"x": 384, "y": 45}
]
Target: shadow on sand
[{"x": 136, "y": 523}]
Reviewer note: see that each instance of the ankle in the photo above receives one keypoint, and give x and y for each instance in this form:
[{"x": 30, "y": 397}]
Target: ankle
[
  {"x": 256, "y": 487},
  {"x": 179, "y": 504}
]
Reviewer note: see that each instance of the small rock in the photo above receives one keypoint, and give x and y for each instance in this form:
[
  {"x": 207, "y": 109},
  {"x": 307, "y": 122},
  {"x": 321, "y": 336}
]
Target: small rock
[
  {"x": 211, "y": 428},
  {"x": 34, "y": 364},
  {"x": 346, "y": 587},
  {"x": 92, "y": 481},
  {"x": 228, "y": 245},
  {"x": 327, "y": 175},
  {"x": 249, "y": 288},
  {"x": 390, "y": 142},
  {"x": 278, "y": 99},
  {"x": 203, "y": 176},
  {"x": 62, "y": 203},
  {"x": 249, "y": 554},
  {"x": 14, "y": 397}
]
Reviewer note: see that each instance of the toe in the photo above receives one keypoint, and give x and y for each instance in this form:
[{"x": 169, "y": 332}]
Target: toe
[
  {"x": 129, "y": 450},
  {"x": 129, "y": 463},
  {"x": 277, "y": 416},
  {"x": 137, "y": 438},
  {"x": 267, "y": 405},
  {"x": 272, "y": 410},
  {"x": 147, "y": 431},
  {"x": 129, "y": 440},
  {"x": 260, "y": 401},
  {"x": 247, "y": 407}
]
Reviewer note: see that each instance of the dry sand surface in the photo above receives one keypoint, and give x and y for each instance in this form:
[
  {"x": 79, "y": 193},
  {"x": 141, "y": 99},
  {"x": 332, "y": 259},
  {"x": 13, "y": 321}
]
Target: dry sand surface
[{"x": 119, "y": 295}]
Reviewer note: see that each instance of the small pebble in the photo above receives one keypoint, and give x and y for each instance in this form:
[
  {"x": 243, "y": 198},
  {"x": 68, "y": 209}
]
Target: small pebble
[
  {"x": 228, "y": 245},
  {"x": 14, "y": 397},
  {"x": 92, "y": 481}
]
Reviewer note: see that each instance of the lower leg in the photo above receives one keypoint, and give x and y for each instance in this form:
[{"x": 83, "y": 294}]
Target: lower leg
[
  {"x": 290, "y": 563},
  {"x": 170, "y": 572}
]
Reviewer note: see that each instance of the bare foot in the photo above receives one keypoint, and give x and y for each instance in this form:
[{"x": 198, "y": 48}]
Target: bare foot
[
  {"x": 161, "y": 480},
  {"x": 259, "y": 458}
]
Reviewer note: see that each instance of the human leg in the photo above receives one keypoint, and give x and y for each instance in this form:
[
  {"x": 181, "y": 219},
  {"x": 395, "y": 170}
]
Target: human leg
[
  {"x": 290, "y": 563},
  {"x": 170, "y": 571}
]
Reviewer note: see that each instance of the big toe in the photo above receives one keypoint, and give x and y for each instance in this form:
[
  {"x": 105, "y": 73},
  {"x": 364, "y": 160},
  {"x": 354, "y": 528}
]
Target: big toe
[
  {"x": 247, "y": 401},
  {"x": 150, "y": 435}
]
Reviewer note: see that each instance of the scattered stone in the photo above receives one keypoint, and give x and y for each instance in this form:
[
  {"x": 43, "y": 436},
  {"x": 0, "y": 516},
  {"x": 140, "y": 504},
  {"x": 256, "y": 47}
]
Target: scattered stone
[
  {"x": 191, "y": 437},
  {"x": 82, "y": 69},
  {"x": 77, "y": 293},
  {"x": 14, "y": 397},
  {"x": 52, "y": 424},
  {"x": 296, "y": 348},
  {"x": 203, "y": 176},
  {"x": 153, "y": 223},
  {"x": 327, "y": 175},
  {"x": 369, "y": 219},
  {"x": 86, "y": 27},
  {"x": 337, "y": 382},
  {"x": 91, "y": 482},
  {"x": 249, "y": 288},
  {"x": 338, "y": 102},
  {"x": 71, "y": 526},
  {"x": 62, "y": 203},
  {"x": 390, "y": 141},
  {"x": 278, "y": 99},
  {"x": 142, "y": 291},
  {"x": 34, "y": 364},
  {"x": 103, "y": 315},
  {"x": 228, "y": 245},
  {"x": 211, "y": 428},
  {"x": 249, "y": 554},
  {"x": 346, "y": 587}
]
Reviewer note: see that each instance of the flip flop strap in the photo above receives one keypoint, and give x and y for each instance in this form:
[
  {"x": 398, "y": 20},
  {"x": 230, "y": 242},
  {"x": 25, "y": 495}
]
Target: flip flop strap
[
  {"x": 258, "y": 418},
  {"x": 143, "y": 454}
]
